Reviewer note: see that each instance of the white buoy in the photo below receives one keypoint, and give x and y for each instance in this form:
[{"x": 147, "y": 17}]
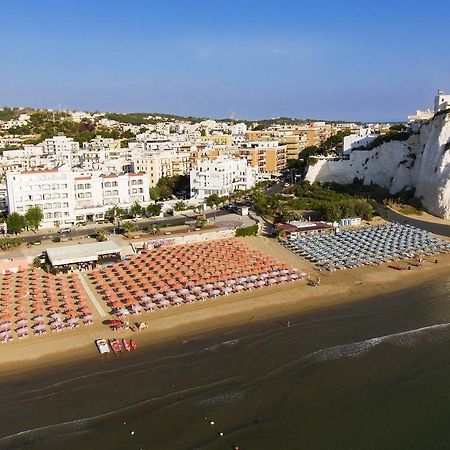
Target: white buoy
[
  {"x": 212, "y": 422},
  {"x": 131, "y": 432}
]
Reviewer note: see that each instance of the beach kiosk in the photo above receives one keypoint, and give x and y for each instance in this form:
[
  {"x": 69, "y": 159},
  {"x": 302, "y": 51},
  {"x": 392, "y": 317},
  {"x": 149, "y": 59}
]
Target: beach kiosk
[{"x": 82, "y": 256}]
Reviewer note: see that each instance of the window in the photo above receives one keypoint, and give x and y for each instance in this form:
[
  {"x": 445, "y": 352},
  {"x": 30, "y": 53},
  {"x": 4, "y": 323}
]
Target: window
[
  {"x": 114, "y": 184},
  {"x": 80, "y": 186},
  {"x": 87, "y": 186},
  {"x": 115, "y": 192},
  {"x": 64, "y": 195},
  {"x": 47, "y": 196},
  {"x": 45, "y": 187},
  {"x": 65, "y": 205},
  {"x": 56, "y": 195},
  {"x": 107, "y": 193},
  {"x": 58, "y": 215},
  {"x": 64, "y": 186},
  {"x": 107, "y": 184},
  {"x": 55, "y": 186},
  {"x": 88, "y": 195},
  {"x": 56, "y": 205},
  {"x": 80, "y": 195},
  {"x": 48, "y": 215}
]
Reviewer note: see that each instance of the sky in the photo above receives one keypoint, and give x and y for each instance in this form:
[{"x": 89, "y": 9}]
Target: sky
[{"x": 338, "y": 60}]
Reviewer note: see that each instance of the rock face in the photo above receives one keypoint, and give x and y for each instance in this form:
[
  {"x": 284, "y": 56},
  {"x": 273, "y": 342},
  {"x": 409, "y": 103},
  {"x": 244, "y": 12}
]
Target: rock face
[{"x": 422, "y": 163}]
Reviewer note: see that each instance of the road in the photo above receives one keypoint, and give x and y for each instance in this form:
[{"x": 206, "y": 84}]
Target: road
[
  {"x": 276, "y": 188},
  {"x": 87, "y": 230},
  {"x": 392, "y": 216}
]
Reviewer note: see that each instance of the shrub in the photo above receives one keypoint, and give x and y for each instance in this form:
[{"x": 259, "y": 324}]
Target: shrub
[
  {"x": 247, "y": 231},
  {"x": 6, "y": 243}
]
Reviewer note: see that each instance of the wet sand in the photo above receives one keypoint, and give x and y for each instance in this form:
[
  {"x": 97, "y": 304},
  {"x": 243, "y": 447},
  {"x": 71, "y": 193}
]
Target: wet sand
[{"x": 178, "y": 324}]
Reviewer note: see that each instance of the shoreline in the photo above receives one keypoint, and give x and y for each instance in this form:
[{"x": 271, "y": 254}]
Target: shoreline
[{"x": 257, "y": 306}]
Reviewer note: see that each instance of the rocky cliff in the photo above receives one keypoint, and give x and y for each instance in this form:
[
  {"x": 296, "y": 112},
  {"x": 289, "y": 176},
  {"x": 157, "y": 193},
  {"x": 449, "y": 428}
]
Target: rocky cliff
[{"x": 422, "y": 162}]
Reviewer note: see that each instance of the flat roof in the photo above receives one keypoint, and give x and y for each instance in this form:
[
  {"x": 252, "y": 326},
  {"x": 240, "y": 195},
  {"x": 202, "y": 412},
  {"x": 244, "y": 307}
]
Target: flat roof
[{"x": 74, "y": 254}]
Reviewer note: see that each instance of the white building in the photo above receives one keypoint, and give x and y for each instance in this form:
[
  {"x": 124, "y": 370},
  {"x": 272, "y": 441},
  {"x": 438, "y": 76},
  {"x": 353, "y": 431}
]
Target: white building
[
  {"x": 51, "y": 189},
  {"x": 362, "y": 138},
  {"x": 67, "y": 197},
  {"x": 421, "y": 116},
  {"x": 441, "y": 101},
  {"x": 239, "y": 128},
  {"x": 62, "y": 147},
  {"x": 221, "y": 176}
]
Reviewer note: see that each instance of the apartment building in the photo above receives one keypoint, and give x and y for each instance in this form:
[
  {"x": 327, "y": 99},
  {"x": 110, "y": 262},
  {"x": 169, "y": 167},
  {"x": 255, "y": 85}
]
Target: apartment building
[
  {"x": 221, "y": 176},
  {"x": 441, "y": 101},
  {"x": 67, "y": 197},
  {"x": 50, "y": 189},
  {"x": 62, "y": 147},
  {"x": 95, "y": 153},
  {"x": 158, "y": 164},
  {"x": 265, "y": 156},
  {"x": 292, "y": 143}
]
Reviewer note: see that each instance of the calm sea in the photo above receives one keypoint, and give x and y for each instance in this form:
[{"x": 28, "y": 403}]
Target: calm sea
[{"x": 371, "y": 375}]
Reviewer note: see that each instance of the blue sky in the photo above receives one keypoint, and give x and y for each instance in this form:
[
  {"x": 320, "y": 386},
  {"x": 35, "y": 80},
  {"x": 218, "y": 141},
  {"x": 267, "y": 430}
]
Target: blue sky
[{"x": 353, "y": 60}]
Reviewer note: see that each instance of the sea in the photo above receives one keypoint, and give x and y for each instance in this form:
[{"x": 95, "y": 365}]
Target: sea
[{"x": 373, "y": 374}]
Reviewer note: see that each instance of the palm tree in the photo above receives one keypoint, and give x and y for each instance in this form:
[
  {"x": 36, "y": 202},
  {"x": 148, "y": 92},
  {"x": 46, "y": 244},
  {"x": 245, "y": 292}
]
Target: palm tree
[{"x": 128, "y": 227}]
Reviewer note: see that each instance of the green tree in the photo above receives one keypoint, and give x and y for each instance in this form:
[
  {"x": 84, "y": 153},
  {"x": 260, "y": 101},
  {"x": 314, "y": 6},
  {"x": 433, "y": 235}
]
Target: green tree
[
  {"x": 33, "y": 217},
  {"x": 332, "y": 212},
  {"x": 154, "y": 210},
  {"x": 213, "y": 200},
  {"x": 180, "y": 206},
  {"x": 155, "y": 193},
  {"x": 115, "y": 213},
  {"x": 128, "y": 227},
  {"x": 135, "y": 210},
  {"x": 101, "y": 236},
  {"x": 15, "y": 223}
]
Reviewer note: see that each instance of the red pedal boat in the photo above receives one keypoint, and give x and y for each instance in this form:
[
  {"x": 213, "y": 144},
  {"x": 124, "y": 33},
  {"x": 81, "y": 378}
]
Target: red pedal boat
[
  {"x": 133, "y": 344},
  {"x": 115, "y": 345},
  {"x": 126, "y": 345}
]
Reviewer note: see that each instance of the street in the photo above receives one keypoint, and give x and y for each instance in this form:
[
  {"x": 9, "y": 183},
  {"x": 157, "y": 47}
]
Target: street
[{"x": 90, "y": 229}]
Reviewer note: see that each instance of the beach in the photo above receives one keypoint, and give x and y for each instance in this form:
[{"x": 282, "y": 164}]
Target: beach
[
  {"x": 269, "y": 303},
  {"x": 369, "y": 374}
]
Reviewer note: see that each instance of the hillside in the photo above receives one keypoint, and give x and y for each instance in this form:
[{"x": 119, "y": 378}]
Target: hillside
[{"x": 420, "y": 164}]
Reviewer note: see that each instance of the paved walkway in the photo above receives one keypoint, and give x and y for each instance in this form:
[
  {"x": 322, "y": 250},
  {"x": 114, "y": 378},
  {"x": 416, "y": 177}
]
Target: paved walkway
[{"x": 90, "y": 294}]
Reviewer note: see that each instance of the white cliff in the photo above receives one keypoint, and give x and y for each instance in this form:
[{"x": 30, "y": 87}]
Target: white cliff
[{"x": 422, "y": 162}]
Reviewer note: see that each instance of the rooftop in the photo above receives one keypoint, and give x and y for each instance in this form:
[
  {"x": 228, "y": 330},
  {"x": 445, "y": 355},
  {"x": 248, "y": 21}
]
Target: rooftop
[{"x": 74, "y": 254}]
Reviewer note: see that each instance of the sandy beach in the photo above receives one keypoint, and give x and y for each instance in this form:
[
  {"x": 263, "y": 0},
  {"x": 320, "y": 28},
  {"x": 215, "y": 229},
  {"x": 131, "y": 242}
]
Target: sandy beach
[{"x": 269, "y": 303}]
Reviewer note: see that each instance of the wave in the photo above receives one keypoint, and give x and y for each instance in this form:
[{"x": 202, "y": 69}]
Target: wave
[
  {"x": 230, "y": 343},
  {"x": 222, "y": 398},
  {"x": 404, "y": 338}
]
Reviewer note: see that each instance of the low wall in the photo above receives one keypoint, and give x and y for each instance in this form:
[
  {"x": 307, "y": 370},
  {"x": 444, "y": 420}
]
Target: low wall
[{"x": 185, "y": 239}]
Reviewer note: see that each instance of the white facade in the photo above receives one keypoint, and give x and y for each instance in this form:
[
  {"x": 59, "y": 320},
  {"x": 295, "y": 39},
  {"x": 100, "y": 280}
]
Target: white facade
[
  {"x": 362, "y": 138},
  {"x": 421, "y": 116},
  {"x": 221, "y": 176},
  {"x": 62, "y": 147},
  {"x": 67, "y": 197},
  {"x": 239, "y": 128},
  {"x": 52, "y": 190},
  {"x": 441, "y": 101}
]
